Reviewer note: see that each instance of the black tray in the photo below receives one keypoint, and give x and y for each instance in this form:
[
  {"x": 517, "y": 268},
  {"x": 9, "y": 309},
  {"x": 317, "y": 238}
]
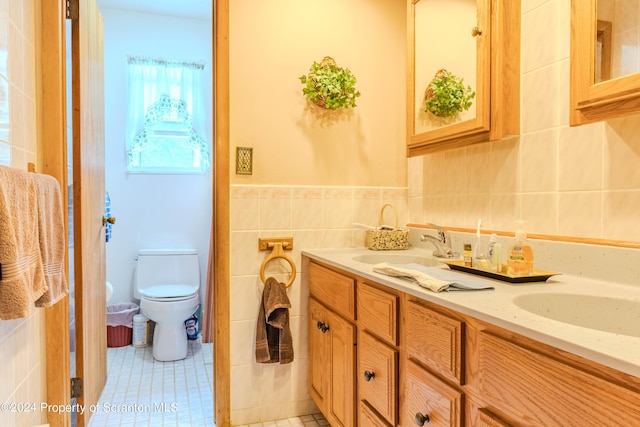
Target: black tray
[{"x": 537, "y": 276}]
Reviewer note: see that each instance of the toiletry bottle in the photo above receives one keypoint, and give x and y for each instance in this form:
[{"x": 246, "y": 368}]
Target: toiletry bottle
[
  {"x": 468, "y": 255},
  {"x": 495, "y": 254},
  {"x": 520, "y": 255}
]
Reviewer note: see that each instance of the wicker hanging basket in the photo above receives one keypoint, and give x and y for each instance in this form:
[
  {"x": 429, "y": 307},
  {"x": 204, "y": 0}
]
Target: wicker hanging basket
[
  {"x": 327, "y": 63},
  {"x": 451, "y": 96},
  {"x": 341, "y": 78},
  {"x": 428, "y": 93}
]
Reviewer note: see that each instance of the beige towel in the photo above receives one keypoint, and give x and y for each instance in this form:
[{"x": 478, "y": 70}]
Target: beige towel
[
  {"x": 274, "y": 342},
  {"x": 51, "y": 234},
  {"x": 22, "y": 278}
]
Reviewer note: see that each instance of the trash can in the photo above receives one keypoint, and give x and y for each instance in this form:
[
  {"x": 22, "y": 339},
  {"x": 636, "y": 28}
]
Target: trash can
[{"x": 120, "y": 323}]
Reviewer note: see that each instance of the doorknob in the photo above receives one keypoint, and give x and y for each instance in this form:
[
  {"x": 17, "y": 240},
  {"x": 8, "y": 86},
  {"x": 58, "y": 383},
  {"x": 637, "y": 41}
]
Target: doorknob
[{"x": 110, "y": 220}]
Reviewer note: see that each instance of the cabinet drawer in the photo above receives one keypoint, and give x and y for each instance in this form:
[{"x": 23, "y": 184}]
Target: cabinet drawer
[
  {"x": 333, "y": 289},
  {"x": 427, "y": 399},
  {"x": 378, "y": 312},
  {"x": 435, "y": 340},
  {"x": 483, "y": 417},
  {"x": 368, "y": 418},
  {"x": 526, "y": 384},
  {"x": 378, "y": 376}
]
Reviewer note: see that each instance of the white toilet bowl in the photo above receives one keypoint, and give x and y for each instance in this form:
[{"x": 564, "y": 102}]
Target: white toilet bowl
[
  {"x": 169, "y": 336},
  {"x": 167, "y": 281}
]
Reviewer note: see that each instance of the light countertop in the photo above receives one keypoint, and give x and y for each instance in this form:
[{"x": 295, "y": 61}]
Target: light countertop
[{"x": 618, "y": 351}]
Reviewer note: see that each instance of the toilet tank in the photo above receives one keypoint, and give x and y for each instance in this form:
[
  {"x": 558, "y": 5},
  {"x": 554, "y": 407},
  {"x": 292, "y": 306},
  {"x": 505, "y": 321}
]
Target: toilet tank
[{"x": 166, "y": 267}]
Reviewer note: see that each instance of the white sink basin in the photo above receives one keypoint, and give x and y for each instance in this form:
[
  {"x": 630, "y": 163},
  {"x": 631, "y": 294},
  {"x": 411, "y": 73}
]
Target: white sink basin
[
  {"x": 396, "y": 259},
  {"x": 607, "y": 314}
]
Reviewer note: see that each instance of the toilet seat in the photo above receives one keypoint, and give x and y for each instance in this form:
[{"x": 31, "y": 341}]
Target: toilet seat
[{"x": 168, "y": 293}]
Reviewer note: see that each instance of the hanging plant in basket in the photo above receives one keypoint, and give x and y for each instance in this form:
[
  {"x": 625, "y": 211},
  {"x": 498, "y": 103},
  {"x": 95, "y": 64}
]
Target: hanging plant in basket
[
  {"x": 330, "y": 86},
  {"x": 446, "y": 95}
]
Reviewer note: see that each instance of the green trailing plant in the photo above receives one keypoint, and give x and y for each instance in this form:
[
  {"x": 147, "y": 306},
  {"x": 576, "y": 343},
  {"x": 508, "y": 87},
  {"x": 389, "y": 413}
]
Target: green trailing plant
[
  {"x": 330, "y": 86},
  {"x": 446, "y": 95}
]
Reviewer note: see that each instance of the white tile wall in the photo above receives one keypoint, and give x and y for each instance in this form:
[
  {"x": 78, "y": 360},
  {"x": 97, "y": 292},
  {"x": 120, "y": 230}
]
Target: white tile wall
[
  {"x": 577, "y": 181},
  {"x": 22, "y": 356},
  {"x": 315, "y": 217}
]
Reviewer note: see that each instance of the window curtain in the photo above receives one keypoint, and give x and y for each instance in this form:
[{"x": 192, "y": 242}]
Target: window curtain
[{"x": 151, "y": 78}]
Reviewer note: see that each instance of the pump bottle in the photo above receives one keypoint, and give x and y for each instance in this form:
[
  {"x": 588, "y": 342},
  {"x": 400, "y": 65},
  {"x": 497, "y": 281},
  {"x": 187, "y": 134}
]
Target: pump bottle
[{"x": 520, "y": 255}]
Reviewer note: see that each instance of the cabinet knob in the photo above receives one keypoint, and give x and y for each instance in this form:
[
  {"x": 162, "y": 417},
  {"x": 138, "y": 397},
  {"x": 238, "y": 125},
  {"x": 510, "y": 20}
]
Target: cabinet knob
[
  {"x": 475, "y": 32},
  {"x": 421, "y": 419},
  {"x": 324, "y": 328},
  {"x": 368, "y": 375}
]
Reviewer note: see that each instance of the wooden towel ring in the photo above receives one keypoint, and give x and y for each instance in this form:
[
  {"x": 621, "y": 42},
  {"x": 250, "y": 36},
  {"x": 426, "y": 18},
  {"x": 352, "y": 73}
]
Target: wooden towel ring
[{"x": 278, "y": 252}]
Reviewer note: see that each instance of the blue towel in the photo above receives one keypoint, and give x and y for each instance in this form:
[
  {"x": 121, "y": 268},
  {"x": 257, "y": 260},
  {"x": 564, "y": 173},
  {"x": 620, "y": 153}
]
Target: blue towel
[{"x": 107, "y": 214}]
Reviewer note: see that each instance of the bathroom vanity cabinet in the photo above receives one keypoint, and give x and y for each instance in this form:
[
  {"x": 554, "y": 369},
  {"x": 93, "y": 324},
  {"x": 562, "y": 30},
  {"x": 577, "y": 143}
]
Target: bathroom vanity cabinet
[
  {"x": 478, "y": 41},
  {"x": 332, "y": 339},
  {"x": 389, "y": 358}
]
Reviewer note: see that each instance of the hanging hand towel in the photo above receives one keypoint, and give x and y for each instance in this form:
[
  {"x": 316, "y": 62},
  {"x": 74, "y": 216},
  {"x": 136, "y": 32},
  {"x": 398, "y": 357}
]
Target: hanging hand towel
[
  {"x": 22, "y": 278},
  {"x": 51, "y": 235},
  {"x": 274, "y": 342}
]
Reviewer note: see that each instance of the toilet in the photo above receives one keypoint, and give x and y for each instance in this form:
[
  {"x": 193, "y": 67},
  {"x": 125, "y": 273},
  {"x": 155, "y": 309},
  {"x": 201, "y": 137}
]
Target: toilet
[{"x": 167, "y": 281}]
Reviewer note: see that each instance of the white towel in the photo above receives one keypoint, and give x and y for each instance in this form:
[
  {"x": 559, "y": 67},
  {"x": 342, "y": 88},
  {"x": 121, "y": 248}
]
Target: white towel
[
  {"x": 435, "y": 279},
  {"x": 22, "y": 277}
]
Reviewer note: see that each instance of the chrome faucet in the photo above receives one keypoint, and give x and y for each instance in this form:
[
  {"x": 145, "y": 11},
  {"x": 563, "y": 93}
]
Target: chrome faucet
[{"x": 441, "y": 243}]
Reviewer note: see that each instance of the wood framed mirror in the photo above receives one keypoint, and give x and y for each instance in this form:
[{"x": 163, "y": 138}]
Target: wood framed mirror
[
  {"x": 477, "y": 41},
  {"x": 605, "y": 60}
]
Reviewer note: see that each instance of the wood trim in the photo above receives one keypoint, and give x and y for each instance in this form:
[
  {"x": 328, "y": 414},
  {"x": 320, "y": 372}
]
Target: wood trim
[
  {"x": 555, "y": 238},
  {"x": 222, "y": 313},
  {"x": 497, "y": 89},
  {"x": 53, "y": 149},
  {"x": 591, "y": 101}
]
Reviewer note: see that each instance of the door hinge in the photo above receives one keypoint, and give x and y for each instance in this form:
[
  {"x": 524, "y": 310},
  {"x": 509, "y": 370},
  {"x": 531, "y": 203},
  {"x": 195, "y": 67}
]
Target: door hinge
[
  {"x": 72, "y": 9},
  {"x": 76, "y": 387}
]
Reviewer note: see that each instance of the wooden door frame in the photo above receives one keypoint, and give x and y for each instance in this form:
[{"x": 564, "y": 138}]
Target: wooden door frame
[
  {"x": 52, "y": 98},
  {"x": 51, "y": 35},
  {"x": 221, "y": 207}
]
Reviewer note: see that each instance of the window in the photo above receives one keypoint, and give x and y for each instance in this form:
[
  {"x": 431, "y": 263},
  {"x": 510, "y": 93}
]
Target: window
[{"x": 166, "y": 121}]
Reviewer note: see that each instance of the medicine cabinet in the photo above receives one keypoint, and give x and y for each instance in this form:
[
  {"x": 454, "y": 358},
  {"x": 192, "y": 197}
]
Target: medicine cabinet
[
  {"x": 478, "y": 41},
  {"x": 605, "y": 60}
]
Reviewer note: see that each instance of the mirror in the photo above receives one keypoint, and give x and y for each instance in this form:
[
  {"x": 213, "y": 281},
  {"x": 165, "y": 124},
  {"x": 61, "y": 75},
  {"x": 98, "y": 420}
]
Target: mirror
[
  {"x": 443, "y": 40},
  {"x": 605, "y": 60},
  {"x": 617, "y": 47},
  {"x": 476, "y": 41}
]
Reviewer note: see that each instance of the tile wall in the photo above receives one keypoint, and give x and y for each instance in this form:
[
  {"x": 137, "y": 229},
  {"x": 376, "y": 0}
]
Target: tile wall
[
  {"x": 316, "y": 217},
  {"x": 22, "y": 355},
  {"x": 576, "y": 181}
]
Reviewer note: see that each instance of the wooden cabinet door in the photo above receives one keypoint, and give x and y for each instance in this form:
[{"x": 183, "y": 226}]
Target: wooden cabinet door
[
  {"x": 378, "y": 376},
  {"x": 488, "y": 62},
  {"x": 342, "y": 362},
  {"x": 428, "y": 401},
  {"x": 530, "y": 383},
  {"x": 332, "y": 363},
  {"x": 318, "y": 369},
  {"x": 435, "y": 340}
]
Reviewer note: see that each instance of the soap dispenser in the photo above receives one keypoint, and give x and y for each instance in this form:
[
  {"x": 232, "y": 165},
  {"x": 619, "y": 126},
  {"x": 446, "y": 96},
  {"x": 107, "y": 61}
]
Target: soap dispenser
[{"x": 520, "y": 254}]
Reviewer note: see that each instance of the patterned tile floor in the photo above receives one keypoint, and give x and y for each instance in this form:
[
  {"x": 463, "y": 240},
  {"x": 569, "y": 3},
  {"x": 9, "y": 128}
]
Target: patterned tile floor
[
  {"x": 143, "y": 392},
  {"x": 315, "y": 420}
]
